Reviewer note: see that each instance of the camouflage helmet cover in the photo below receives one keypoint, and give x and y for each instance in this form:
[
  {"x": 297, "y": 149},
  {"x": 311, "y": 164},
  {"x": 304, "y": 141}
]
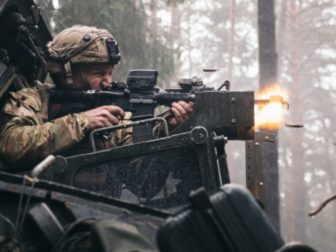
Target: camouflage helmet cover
[{"x": 84, "y": 44}]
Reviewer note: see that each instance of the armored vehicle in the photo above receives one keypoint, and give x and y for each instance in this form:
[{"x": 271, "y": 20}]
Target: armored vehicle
[{"x": 169, "y": 193}]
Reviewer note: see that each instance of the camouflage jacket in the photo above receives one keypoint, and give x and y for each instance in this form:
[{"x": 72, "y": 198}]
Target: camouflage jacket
[{"x": 26, "y": 136}]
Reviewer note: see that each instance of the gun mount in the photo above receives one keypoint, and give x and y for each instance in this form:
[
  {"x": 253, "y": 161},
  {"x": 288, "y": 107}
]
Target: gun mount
[{"x": 158, "y": 173}]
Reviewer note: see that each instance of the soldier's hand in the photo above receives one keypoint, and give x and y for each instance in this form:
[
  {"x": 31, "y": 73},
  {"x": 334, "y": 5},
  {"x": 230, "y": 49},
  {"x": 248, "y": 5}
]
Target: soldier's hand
[
  {"x": 104, "y": 116},
  {"x": 181, "y": 111}
]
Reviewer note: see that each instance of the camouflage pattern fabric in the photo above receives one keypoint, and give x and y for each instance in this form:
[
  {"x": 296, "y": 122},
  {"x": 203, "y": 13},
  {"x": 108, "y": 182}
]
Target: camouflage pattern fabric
[
  {"x": 80, "y": 44},
  {"x": 119, "y": 137},
  {"x": 26, "y": 136}
]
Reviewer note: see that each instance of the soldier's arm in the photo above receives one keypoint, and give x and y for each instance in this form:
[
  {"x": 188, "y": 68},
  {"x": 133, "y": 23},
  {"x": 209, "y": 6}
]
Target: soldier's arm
[
  {"x": 23, "y": 142},
  {"x": 25, "y": 135}
]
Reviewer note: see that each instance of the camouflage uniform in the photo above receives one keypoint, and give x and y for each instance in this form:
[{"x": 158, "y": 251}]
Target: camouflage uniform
[{"x": 26, "y": 136}]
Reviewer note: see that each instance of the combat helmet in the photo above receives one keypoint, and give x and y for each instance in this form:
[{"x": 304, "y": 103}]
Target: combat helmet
[{"x": 81, "y": 44}]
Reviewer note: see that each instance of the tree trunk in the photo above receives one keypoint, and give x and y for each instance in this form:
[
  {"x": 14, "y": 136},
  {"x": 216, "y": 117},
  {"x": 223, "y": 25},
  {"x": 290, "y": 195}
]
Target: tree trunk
[{"x": 267, "y": 76}]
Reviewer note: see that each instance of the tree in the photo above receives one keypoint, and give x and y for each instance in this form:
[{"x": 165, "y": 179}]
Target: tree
[
  {"x": 307, "y": 159},
  {"x": 268, "y": 76}
]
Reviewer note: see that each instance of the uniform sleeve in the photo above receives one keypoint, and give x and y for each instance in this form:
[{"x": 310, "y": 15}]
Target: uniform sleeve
[
  {"x": 24, "y": 143},
  {"x": 26, "y": 137}
]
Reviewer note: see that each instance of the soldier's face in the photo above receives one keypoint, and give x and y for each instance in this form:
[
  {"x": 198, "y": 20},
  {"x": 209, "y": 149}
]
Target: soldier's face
[{"x": 92, "y": 76}]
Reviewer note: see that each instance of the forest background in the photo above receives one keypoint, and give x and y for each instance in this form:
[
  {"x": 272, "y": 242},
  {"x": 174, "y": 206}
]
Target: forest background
[{"x": 180, "y": 38}]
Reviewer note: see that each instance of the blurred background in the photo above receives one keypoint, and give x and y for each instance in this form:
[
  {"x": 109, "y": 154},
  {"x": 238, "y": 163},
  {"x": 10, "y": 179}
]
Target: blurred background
[{"x": 181, "y": 38}]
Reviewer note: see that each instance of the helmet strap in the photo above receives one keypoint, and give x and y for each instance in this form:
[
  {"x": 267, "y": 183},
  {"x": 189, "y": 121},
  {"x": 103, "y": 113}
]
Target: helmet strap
[{"x": 68, "y": 73}]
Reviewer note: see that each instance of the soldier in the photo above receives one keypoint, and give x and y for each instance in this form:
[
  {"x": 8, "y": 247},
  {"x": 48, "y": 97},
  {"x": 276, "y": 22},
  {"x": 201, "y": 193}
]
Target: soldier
[{"x": 81, "y": 58}]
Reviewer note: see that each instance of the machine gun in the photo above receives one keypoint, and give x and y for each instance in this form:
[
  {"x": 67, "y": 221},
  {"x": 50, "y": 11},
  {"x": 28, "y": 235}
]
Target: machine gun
[{"x": 231, "y": 113}]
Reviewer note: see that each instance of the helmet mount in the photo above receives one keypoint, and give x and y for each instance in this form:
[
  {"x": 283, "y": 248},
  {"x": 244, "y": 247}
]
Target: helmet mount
[{"x": 113, "y": 51}]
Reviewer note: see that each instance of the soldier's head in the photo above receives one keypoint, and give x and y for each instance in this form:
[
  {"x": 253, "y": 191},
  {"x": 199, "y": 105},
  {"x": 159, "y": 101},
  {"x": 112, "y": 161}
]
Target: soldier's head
[{"x": 83, "y": 57}]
